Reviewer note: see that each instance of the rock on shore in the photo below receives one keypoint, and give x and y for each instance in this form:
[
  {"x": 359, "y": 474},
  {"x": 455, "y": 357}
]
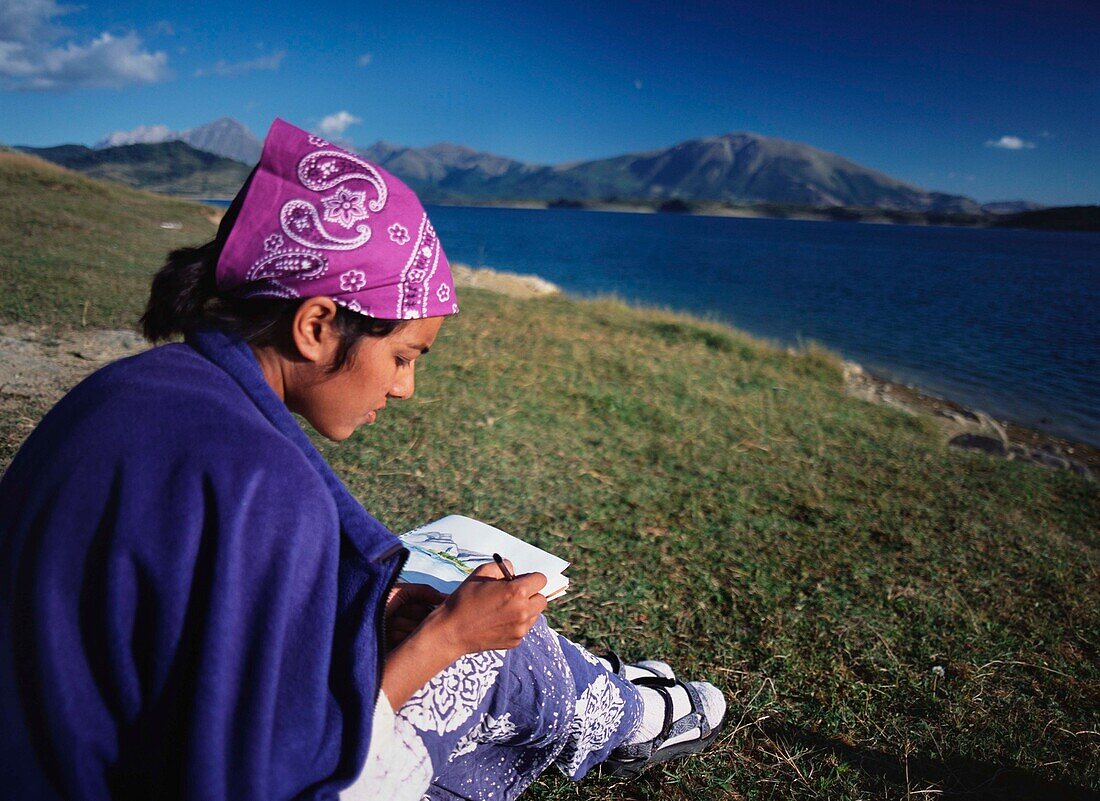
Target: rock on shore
[{"x": 502, "y": 282}]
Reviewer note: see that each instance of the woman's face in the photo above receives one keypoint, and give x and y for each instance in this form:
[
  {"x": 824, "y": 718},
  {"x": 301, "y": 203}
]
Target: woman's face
[{"x": 378, "y": 368}]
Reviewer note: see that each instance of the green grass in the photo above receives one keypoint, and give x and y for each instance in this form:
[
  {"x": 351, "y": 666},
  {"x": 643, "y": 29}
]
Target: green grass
[
  {"x": 728, "y": 509},
  {"x": 81, "y": 251}
]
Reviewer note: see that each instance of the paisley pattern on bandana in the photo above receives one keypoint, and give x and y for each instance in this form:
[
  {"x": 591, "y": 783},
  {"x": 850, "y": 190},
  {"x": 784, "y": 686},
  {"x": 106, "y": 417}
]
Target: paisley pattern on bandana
[
  {"x": 412, "y": 298},
  {"x": 345, "y": 207},
  {"x": 301, "y": 223},
  {"x": 398, "y": 233},
  {"x": 324, "y": 203},
  {"x": 302, "y": 265},
  {"x": 325, "y": 169}
]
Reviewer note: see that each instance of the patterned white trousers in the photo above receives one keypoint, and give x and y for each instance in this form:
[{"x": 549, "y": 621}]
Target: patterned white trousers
[{"x": 493, "y": 721}]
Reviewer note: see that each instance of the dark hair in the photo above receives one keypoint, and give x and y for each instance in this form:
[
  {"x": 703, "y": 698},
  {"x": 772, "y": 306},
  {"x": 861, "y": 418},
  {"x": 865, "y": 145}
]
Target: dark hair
[{"x": 184, "y": 296}]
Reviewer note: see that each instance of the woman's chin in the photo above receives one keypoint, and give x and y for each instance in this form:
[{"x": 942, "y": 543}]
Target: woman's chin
[{"x": 336, "y": 433}]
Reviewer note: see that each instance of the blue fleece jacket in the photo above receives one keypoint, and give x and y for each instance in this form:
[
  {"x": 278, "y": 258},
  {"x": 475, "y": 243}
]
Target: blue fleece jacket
[{"x": 190, "y": 599}]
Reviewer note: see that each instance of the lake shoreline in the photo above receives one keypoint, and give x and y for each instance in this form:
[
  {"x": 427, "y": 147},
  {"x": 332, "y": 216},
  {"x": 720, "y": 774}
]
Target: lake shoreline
[
  {"x": 1089, "y": 222},
  {"x": 866, "y": 216},
  {"x": 968, "y": 428}
]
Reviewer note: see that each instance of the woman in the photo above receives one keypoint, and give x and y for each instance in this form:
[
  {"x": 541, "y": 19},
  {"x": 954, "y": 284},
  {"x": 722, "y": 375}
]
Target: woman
[{"x": 194, "y": 606}]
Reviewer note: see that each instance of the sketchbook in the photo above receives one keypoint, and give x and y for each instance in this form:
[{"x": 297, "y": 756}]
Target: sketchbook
[{"x": 443, "y": 553}]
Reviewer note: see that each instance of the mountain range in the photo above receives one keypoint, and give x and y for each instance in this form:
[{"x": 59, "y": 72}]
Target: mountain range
[{"x": 736, "y": 168}]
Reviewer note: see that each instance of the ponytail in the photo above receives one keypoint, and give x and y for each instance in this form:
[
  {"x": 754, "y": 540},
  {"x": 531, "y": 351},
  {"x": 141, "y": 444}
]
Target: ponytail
[
  {"x": 181, "y": 289},
  {"x": 186, "y": 283}
]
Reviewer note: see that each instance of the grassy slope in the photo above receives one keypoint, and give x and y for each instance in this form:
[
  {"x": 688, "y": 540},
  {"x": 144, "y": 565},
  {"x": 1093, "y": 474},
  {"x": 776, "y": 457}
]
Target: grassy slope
[
  {"x": 67, "y": 240},
  {"x": 725, "y": 507}
]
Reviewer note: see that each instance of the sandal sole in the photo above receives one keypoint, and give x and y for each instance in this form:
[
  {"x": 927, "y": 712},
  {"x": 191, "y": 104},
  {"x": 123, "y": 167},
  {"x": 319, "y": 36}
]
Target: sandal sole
[{"x": 634, "y": 768}]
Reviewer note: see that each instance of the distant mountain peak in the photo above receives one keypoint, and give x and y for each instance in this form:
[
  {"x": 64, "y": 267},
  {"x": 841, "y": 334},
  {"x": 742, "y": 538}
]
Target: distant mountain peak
[
  {"x": 226, "y": 120},
  {"x": 224, "y": 137}
]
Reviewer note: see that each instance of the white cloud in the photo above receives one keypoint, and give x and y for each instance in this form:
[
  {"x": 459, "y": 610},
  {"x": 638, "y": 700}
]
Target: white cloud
[
  {"x": 1010, "y": 143},
  {"x": 227, "y": 70},
  {"x": 1045, "y": 135},
  {"x": 365, "y": 59},
  {"x": 638, "y": 84},
  {"x": 142, "y": 134},
  {"x": 35, "y": 56},
  {"x": 25, "y": 21},
  {"x": 336, "y": 124}
]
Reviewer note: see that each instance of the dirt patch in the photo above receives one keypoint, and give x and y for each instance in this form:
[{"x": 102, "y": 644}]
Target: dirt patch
[{"x": 38, "y": 363}]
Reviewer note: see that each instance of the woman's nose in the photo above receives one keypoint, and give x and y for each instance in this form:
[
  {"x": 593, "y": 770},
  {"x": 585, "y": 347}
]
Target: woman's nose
[{"x": 405, "y": 384}]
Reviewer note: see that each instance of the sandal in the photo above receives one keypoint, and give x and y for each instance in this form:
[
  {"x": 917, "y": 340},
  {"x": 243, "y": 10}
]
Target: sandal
[
  {"x": 647, "y": 668},
  {"x": 630, "y": 760}
]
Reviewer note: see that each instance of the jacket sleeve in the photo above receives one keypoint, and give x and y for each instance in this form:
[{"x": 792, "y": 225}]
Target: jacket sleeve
[{"x": 173, "y": 624}]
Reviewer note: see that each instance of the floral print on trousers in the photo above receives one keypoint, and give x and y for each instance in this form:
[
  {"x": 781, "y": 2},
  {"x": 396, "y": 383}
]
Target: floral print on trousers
[{"x": 493, "y": 721}]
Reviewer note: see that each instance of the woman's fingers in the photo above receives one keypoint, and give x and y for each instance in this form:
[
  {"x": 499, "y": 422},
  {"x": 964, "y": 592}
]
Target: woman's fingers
[
  {"x": 492, "y": 570},
  {"x": 530, "y": 583},
  {"x": 487, "y": 612}
]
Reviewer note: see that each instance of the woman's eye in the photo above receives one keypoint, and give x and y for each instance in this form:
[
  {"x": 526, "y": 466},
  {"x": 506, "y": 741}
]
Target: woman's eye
[{"x": 402, "y": 361}]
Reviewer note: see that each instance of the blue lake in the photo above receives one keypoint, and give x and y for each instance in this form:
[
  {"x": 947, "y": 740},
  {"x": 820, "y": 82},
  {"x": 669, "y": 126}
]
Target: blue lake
[{"x": 1001, "y": 320}]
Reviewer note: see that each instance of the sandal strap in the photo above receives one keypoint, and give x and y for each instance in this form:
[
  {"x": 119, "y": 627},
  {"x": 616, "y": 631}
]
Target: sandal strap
[
  {"x": 618, "y": 667},
  {"x": 695, "y": 718}
]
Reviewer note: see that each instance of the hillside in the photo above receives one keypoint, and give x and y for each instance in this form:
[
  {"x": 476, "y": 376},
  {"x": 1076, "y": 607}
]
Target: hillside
[
  {"x": 171, "y": 168},
  {"x": 889, "y": 618},
  {"x": 1060, "y": 218},
  {"x": 90, "y": 246}
]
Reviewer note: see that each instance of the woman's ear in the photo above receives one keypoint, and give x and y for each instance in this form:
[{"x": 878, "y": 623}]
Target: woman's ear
[{"x": 313, "y": 330}]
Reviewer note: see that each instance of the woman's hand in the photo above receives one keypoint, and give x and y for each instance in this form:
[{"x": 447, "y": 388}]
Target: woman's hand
[
  {"x": 406, "y": 608},
  {"x": 487, "y": 612}
]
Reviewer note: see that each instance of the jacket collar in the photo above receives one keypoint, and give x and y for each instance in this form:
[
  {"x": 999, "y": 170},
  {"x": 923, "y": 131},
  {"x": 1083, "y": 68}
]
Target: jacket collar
[{"x": 231, "y": 353}]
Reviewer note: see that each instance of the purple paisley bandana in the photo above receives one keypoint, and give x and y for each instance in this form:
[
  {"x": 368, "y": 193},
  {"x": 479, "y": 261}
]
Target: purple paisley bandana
[{"x": 318, "y": 220}]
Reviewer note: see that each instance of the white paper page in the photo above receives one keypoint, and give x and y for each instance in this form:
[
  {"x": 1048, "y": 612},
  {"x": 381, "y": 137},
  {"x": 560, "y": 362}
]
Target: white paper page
[{"x": 444, "y": 552}]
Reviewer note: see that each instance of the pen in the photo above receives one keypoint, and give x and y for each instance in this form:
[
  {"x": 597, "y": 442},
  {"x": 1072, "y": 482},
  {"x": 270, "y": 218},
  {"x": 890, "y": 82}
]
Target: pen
[{"x": 503, "y": 567}]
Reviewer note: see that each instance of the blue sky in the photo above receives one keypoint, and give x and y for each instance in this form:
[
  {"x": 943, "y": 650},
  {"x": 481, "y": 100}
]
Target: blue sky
[{"x": 996, "y": 101}]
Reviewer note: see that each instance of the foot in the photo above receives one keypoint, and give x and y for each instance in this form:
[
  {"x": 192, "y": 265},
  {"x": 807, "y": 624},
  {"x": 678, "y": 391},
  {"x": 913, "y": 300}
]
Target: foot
[{"x": 691, "y": 715}]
